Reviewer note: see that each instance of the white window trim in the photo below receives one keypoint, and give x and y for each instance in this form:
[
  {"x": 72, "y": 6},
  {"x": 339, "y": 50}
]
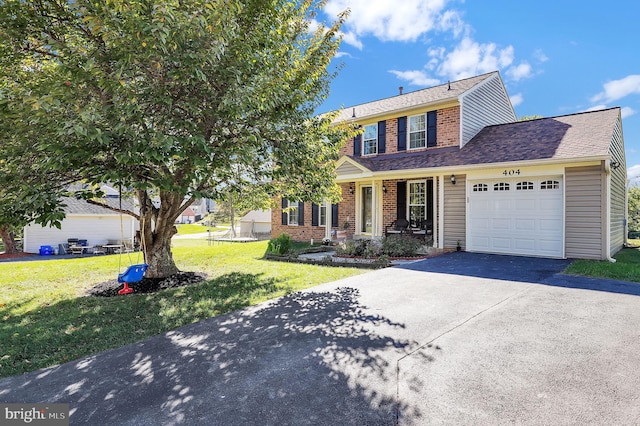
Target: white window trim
[
  {"x": 322, "y": 206},
  {"x": 426, "y": 201},
  {"x": 290, "y": 210},
  {"x": 409, "y": 132},
  {"x": 364, "y": 141}
]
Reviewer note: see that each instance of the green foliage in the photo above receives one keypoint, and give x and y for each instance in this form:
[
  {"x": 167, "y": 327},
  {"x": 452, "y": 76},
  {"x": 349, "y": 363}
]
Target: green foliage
[
  {"x": 279, "y": 245},
  {"x": 391, "y": 246},
  {"x": 634, "y": 208},
  {"x": 175, "y": 100},
  {"x": 529, "y": 117},
  {"x": 400, "y": 246}
]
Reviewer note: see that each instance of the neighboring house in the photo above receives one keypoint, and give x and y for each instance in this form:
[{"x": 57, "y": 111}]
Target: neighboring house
[
  {"x": 187, "y": 216},
  {"x": 256, "y": 224},
  {"x": 95, "y": 224},
  {"x": 454, "y": 163},
  {"x": 200, "y": 208}
]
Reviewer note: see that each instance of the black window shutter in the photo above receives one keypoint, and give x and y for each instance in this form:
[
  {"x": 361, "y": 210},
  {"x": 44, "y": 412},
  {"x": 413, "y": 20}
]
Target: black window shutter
[
  {"x": 285, "y": 204},
  {"x": 334, "y": 215},
  {"x": 402, "y": 133},
  {"x": 382, "y": 136},
  {"x": 314, "y": 214},
  {"x": 432, "y": 121},
  {"x": 401, "y": 201},
  {"x": 300, "y": 213},
  {"x": 357, "y": 140}
]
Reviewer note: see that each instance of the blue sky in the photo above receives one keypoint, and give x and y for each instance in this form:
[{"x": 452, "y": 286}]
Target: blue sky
[{"x": 555, "y": 57}]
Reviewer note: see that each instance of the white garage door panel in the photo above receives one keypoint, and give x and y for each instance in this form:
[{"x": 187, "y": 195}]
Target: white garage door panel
[{"x": 525, "y": 222}]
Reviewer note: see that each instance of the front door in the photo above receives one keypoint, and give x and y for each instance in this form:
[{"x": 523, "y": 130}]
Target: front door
[{"x": 366, "y": 222}]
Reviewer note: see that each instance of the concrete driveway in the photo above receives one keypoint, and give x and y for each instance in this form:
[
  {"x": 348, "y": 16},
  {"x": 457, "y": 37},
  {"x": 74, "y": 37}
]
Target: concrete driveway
[{"x": 457, "y": 339}]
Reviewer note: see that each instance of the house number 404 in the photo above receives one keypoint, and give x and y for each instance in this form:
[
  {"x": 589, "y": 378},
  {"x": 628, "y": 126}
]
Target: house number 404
[{"x": 511, "y": 172}]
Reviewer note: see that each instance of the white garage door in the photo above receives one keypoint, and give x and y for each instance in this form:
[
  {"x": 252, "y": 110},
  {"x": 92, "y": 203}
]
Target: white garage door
[{"x": 521, "y": 216}]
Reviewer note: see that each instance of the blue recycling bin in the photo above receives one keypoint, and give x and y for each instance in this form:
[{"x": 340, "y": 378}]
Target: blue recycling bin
[{"x": 46, "y": 250}]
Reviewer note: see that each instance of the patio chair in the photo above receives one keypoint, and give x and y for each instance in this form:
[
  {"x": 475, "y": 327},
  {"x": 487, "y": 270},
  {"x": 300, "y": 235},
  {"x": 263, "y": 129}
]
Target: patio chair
[{"x": 398, "y": 226}]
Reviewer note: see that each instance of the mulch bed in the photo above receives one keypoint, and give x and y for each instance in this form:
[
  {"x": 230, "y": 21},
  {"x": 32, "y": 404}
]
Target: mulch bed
[
  {"x": 4, "y": 256},
  {"x": 147, "y": 285}
]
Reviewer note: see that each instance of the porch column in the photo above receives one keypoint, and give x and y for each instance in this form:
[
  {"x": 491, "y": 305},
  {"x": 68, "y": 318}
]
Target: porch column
[
  {"x": 328, "y": 220},
  {"x": 441, "y": 212},
  {"x": 374, "y": 208}
]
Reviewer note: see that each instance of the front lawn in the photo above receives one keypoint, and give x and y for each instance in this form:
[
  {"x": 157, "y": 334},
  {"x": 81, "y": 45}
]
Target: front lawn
[
  {"x": 626, "y": 268},
  {"x": 45, "y": 319},
  {"x": 194, "y": 228}
]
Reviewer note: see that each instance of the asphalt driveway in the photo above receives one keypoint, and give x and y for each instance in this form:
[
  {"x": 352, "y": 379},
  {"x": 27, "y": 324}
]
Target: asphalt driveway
[{"x": 457, "y": 339}]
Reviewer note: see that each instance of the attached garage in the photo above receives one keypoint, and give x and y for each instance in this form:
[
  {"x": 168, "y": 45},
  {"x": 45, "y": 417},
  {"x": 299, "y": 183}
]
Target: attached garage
[{"x": 523, "y": 216}]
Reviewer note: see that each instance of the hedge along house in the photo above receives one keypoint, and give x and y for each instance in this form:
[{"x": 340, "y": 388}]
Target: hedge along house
[{"x": 453, "y": 163}]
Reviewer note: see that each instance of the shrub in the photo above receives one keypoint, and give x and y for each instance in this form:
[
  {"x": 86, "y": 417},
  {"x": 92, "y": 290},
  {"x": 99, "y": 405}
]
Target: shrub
[
  {"x": 279, "y": 245},
  {"x": 400, "y": 246},
  {"x": 364, "y": 248}
]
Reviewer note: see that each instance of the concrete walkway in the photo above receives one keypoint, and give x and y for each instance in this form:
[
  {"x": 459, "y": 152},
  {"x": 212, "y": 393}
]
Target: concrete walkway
[{"x": 457, "y": 339}]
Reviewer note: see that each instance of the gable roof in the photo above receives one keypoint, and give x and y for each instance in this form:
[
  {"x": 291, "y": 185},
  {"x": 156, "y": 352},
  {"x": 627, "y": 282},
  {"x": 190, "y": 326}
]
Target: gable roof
[
  {"x": 74, "y": 206},
  {"x": 569, "y": 137},
  {"x": 442, "y": 93}
]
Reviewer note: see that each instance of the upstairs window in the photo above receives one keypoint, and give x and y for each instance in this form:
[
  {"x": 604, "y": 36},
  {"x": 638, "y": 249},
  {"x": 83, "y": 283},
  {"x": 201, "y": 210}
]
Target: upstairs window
[
  {"x": 370, "y": 140},
  {"x": 422, "y": 130},
  {"x": 417, "y": 131}
]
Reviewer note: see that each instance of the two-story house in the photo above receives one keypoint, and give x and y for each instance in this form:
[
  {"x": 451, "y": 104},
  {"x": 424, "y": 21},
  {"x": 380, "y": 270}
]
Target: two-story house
[{"x": 452, "y": 164}]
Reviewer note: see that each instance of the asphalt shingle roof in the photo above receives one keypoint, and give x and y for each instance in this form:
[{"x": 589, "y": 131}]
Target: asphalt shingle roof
[
  {"x": 574, "y": 136},
  {"x": 444, "y": 92},
  {"x": 81, "y": 207}
]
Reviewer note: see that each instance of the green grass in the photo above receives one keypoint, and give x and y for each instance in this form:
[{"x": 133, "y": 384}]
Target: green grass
[
  {"x": 626, "y": 268},
  {"x": 193, "y": 228},
  {"x": 45, "y": 319}
]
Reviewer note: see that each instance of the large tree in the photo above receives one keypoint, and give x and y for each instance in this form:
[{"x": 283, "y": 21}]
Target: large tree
[
  {"x": 634, "y": 208},
  {"x": 175, "y": 99}
]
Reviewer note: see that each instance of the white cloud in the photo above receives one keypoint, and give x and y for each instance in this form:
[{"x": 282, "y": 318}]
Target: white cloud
[
  {"x": 596, "y": 108},
  {"x": 471, "y": 58},
  {"x": 633, "y": 173},
  {"x": 416, "y": 78},
  {"x": 340, "y": 54},
  {"x": 392, "y": 21},
  {"x": 352, "y": 39},
  {"x": 540, "y": 56},
  {"x": 618, "y": 89},
  {"x": 516, "y": 99},
  {"x": 520, "y": 71},
  {"x": 627, "y": 112}
]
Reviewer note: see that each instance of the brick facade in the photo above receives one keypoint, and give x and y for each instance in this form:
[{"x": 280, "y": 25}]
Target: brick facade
[
  {"x": 302, "y": 232},
  {"x": 448, "y": 127},
  {"x": 448, "y": 134}
]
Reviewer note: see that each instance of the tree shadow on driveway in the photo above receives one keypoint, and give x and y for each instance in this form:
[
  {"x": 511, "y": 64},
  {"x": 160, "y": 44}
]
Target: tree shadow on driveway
[{"x": 306, "y": 358}]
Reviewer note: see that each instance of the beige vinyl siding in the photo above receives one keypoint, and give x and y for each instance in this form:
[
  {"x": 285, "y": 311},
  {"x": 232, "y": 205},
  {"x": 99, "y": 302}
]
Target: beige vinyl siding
[
  {"x": 455, "y": 212},
  {"x": 348, "y": 169},
  {"x": 484, "y": 105},
  {"x": 584, "y": 215},
  {"x": 618, "y": 191}
]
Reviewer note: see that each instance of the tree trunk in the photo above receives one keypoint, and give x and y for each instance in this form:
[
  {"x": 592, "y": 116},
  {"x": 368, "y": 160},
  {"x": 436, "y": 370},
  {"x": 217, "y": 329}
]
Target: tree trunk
[
  {"x": 7, "y": 240},
  {"x": 157, "y": 226}
]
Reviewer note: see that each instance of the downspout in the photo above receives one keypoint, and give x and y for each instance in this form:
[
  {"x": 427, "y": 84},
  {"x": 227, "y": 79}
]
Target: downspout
[{"x": 607, "y": 169}]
